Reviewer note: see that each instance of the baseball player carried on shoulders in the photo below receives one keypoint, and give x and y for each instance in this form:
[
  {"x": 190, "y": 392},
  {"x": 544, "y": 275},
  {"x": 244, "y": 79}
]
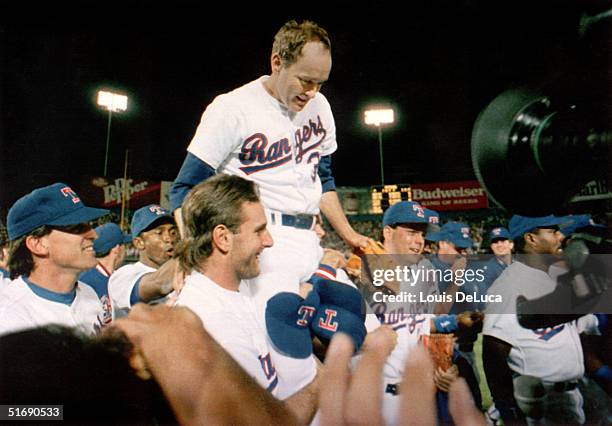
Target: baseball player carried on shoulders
[{"x": 279, "y": 132}]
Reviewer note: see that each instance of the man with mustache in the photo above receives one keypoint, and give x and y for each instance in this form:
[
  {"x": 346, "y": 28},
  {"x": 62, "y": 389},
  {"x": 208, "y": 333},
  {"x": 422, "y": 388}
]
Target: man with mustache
[
  {"x": 51, "y": 244},
  {"x": 155, "y": 235}
]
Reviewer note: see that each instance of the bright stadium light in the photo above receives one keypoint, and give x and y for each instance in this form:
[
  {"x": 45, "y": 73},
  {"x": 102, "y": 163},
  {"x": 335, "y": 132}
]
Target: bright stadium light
[
  {"x": 377, "y": 117},
  {"x": 112, "y": 102}
]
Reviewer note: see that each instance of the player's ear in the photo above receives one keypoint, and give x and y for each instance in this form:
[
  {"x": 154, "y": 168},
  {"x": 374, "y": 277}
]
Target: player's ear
[
  {"x": 222, "y": 238},
  {"x": 138, "y": 243},
  {"x": 387, "y": 233},
  {"x": 37, "y": 245},
  {"x": 531, "y": 240},
  {"x": 276, "y": 63}
]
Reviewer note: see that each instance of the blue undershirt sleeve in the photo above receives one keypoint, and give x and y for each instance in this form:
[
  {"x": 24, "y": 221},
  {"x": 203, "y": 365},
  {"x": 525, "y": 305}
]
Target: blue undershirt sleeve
[
  {"x": 325, "y": 174},
  {"x": 193, "y": 171}
]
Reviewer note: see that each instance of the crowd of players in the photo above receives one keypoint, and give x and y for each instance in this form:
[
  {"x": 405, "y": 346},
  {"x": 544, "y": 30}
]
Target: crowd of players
[
  {"x": 99, "y": 291},
  {"x": 236, "y": 313}
]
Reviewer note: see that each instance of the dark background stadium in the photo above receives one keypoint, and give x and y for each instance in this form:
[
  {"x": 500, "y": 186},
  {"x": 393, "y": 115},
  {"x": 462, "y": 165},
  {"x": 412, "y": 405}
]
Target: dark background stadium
[{"x": 438, "y": 65}]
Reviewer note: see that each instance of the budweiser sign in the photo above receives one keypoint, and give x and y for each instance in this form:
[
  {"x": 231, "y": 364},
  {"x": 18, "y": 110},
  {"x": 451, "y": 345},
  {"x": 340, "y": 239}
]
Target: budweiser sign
[{"x": 451, "y": 195}]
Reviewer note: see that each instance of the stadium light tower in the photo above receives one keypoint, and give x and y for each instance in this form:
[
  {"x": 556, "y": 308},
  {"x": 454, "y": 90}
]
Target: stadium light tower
[
  {"x": 112, "y": 102},
  {"x": 378, "y": 117}
]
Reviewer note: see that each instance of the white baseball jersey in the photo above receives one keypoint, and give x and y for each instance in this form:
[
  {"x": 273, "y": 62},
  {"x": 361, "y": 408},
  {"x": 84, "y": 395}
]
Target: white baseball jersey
[
  {"x": 230, "y": 318},
  {"x": 122, "y": 282},
  {"x": 553, "y": 354},
  {"x": 24, "y": 305},
  {"x": 248, "y": 133}
]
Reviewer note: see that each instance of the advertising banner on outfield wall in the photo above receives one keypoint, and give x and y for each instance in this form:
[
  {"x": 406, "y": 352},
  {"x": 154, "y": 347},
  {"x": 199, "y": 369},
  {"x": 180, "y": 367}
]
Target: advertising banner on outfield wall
[
  {"x": 463, "y": 195},
  {"x": 107, "y": 192}
]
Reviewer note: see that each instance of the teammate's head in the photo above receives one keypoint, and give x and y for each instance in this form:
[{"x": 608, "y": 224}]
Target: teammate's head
[
  {"x": 91, "y": 377},
  {"x": 110, "y": 243},
  {"x": 501, "y": 242},
  {"x": 301, "y": 63},
  {"x": 536, "y": 235},
  {"x": 50, "y": 226},
  {"x": 404, "y": 227},
  {"x": 453, "y": 239},
  {"x": 223, "y": 215},
  {"x": 155, "y": 235}
]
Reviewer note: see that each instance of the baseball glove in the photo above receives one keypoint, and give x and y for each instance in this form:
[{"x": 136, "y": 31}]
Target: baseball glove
[
  {"x": 353, "y": 265},
  {"x": 440, "y": 347}
]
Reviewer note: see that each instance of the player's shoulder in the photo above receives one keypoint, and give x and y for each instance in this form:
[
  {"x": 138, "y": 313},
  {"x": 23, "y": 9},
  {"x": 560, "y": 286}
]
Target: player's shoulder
[
  {"x": 14, "y": 292},
  {"x": 201, "y": 294},
  {"x": 130, "y": 269},
  {"x": 236, "y": 97},
  {"x": 16, "y": 301},
  {"x": 318, "y": 104}
]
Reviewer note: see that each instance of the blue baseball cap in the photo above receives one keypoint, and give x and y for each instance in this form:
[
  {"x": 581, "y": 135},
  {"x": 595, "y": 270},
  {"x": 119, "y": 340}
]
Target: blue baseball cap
[
  {"x": 499, "y": 233},
  {"x": 520, "y": 225},
  {"x": 332, "y": 319},
  {"x": 109, "y": 236},
  {"x": 404, "y": 212},
  {"x": 53, "y": 205},
  {"x": 341, "y": 310},
  {"x": 457, "y": 233},
  {"x": 573, "y": 223},
  {"x": 145, "y": 216},
  {"x": 288, "y": 319}
]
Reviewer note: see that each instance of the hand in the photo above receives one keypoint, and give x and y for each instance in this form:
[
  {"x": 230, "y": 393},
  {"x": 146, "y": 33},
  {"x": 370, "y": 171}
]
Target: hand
[
  {"x": 470, "y": 321},
  {"x": 333, "y": 258},
  {"x": 444, "y": 379},
  {"x": 470, "y": 324},
  {"x": 345, "y": 400},
  {"x": 357, "y": 240},
  {"x": 384, "y": 338},
  {"x": 349, "y": 400}
]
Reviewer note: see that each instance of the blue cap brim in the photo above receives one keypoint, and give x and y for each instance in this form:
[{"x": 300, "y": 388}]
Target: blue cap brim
[{"x": 84, "y": 214}]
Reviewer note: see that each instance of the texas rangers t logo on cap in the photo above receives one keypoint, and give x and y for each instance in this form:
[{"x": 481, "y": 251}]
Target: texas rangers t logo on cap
[
  {"x": 328, "y": 324},
  {"x": 68, "y": 192},
  {"x": 158, "y": 210},
  {"x": 305, "y": 313}
]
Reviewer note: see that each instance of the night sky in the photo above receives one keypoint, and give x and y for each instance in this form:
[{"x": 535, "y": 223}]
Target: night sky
[{"x": 438, "y": 65}]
